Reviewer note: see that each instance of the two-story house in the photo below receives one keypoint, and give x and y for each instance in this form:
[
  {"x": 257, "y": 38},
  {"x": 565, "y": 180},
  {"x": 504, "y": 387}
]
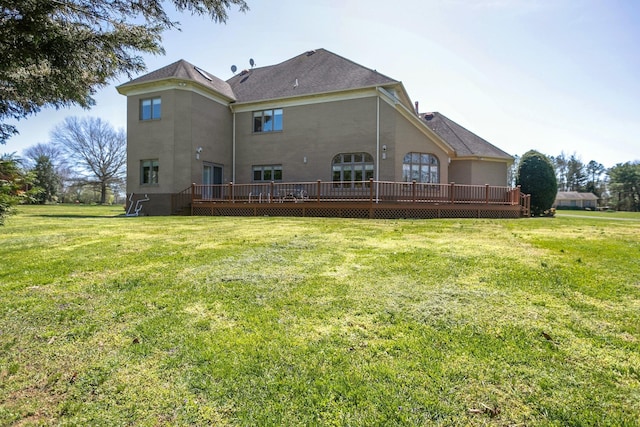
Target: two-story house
[{"x": 317, "y": 116}]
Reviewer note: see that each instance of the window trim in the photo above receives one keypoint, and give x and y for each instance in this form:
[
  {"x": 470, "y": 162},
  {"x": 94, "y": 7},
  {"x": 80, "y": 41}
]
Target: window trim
[
  {"x": 151, "y": 164},
  {"x": 261, "y": 114},
  {"x": 433, "y": 162},
  {"x": 262, "y": 169},
  {"x": 153, "y": 102},
  {"x": 366, "y": 167}
]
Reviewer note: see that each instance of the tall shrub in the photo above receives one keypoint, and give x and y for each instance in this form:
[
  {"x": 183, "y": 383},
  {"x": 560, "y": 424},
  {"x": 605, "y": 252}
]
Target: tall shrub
[{"x": 537, "y": 177}]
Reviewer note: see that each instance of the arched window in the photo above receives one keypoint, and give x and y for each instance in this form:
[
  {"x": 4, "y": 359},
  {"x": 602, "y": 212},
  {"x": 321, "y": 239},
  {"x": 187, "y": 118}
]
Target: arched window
[
  {"x": 352, "y": 168},
  {"x": 421, "y": 167}
]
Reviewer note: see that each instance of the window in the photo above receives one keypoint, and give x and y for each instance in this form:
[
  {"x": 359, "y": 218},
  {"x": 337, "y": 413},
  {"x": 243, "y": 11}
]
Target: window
[
  {"x": 352, "y": 169},
  {"x": 267, "y": 173},
  {"x": 420, "y": 167},
  {"x": 150, "y": 109},
  {"x": 149, "y": 171},
  {"x": 267, "y": 120}
]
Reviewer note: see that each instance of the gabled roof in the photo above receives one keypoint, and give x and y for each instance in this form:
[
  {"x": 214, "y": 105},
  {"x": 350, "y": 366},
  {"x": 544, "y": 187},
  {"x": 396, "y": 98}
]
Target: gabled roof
[
  {"x": 575, "y": 195},
  {"x": 464, "y": 142},
  {"x": 183, "y": 70},
  {"x": 313, "y": 72}
]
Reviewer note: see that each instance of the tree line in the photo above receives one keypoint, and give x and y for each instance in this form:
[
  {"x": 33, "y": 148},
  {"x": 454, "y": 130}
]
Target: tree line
[
  {"x": 617, "y": 187},
  {"x": 85, "y": 161}
]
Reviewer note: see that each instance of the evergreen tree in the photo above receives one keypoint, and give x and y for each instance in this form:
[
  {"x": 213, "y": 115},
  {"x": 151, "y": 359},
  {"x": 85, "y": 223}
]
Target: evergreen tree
[
  {"x": 47, "y": 179},
  {"x": 15, "y": 186},
  {"x": 58, "y": 53},
  {"x": 576, "y": 176},
  {"x": 625, "y": 185},
  {"x": 536, "y": 177},
  {"x": 594, "y": 172},
  {"x": 560, "y": 165}
]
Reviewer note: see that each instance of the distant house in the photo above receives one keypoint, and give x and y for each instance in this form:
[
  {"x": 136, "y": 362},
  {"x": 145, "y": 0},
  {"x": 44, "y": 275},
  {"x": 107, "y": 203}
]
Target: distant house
[
  {"x": 317, "y": 116},
  {"x": 575, "y": 199}
]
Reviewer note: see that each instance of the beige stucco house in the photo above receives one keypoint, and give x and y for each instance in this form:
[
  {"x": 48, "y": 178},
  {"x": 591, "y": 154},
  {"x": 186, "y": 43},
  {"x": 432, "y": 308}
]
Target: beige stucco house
[
  {"x": 317, "y": 116},
  {"x": 575, "y": 200}
]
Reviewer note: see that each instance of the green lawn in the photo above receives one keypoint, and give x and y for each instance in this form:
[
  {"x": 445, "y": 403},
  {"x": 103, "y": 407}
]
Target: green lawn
[{"x": 107, "y": 320}]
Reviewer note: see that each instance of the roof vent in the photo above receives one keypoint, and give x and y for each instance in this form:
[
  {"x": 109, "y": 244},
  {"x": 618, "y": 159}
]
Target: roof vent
[
  {"x": 428, "y": 116},
  {"x": 311, "y": 52},
  {"x": 243, "y": 72}
]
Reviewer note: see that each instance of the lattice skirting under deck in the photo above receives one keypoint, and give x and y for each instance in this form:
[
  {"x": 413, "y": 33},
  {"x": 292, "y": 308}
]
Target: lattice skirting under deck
[{"x": 355, "y": 210}]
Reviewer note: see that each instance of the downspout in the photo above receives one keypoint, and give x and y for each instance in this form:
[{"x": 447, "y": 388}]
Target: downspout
[
  {"x": 377, "y": 142},
  {"x": 233, "y": 146}
]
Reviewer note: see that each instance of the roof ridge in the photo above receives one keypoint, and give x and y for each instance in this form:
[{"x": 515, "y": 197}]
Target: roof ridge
[
  {"x": 310, "y": 72},
  {"x": 355, "y": 63}
]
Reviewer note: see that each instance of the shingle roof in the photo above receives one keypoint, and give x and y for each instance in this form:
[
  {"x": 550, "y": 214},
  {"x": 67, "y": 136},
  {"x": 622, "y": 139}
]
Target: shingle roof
[
  {"x": 183, "y": 70},
  {"x": 575, "y": 195},
  {"x": 464, "y": 142},
  {"x": 316, "y": 71}
]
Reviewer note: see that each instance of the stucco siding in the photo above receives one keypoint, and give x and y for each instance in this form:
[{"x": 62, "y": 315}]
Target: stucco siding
[
  {"x": 316, "y": 132},
  {"x": 188, "y": 121},
  {"x": 410, "y": 138},
  {"x": 478, "y": 172},
  {"x": 151, "y": 139},
  {"x": 212, "y": 130}
]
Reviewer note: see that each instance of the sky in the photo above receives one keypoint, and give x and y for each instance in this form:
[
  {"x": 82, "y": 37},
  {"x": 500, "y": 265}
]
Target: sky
[{"x": 557, "y": 76}]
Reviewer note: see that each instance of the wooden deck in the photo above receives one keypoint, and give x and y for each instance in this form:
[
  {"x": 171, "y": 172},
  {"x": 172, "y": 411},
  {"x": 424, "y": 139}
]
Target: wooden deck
[{"x": 370, "y": 199}]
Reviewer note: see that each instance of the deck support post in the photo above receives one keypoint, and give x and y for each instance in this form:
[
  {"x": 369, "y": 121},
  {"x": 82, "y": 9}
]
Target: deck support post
[
  {"x": 413, "y": 190},
  {"x": 271, "y": 192},
  {"x": 193, "y": 195},
  {"x": 371, "y": 215},
  {"x": 319, "y": 182},
  {"x": 486, "y": 193},
  {"x": 452, "y": 190}
]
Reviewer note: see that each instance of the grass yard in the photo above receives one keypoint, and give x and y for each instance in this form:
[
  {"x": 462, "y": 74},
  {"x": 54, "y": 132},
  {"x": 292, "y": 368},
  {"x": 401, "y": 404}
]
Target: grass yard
[{"x": 107, "y": 320}]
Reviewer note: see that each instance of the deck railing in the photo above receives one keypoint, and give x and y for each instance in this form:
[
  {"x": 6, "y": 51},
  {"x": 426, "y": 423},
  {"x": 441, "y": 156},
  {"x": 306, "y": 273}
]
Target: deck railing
[
  {"x": 347, "y": 191},
  {"x": 181, "y": 200}
]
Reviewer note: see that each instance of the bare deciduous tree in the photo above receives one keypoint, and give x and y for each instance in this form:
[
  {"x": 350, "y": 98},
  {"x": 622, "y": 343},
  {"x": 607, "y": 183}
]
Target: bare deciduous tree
[{"x": 97, "y": 150}]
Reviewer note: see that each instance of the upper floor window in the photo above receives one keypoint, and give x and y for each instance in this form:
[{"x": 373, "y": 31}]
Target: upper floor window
[
  {"x": 421, "y": 167},
  {"x": 149, "y": 171},
  {"x": 267, "y": 173},
  {"x": 150, "y": 109},
  {"x": 267, "y": 120},
  {"x": 352, "y": 168}
]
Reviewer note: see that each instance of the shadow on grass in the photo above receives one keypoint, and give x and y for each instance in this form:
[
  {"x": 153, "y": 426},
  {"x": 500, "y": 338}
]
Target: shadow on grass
[{"x": 78, "y": 216}]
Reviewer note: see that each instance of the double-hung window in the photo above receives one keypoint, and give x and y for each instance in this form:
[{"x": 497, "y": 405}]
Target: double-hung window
[
  {"x": 267, "y": 121},
  {"x": 267, "y": 173},
  {"x": 149, "y": 171},
  {"x": 150, "y": 109}
]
